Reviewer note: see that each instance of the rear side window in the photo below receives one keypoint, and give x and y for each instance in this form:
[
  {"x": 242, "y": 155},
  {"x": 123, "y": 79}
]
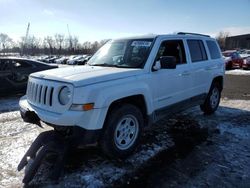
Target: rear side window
[
  {"x": 197, "y": 50},
  {"x": 213, "y": 50}
]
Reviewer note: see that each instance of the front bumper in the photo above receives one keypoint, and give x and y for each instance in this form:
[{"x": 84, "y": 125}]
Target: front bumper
[
  {"x": 80, "y": 134},
  {"x": 90, "y": 120}
]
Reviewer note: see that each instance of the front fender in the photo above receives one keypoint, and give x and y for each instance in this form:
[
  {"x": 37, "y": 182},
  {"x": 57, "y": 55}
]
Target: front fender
[{"x": 103, "y": 95}]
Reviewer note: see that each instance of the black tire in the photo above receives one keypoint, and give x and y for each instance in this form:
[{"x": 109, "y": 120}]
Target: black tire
[
  {"x": 210, "y": 106},
  {"x": 116, "y": 117}
]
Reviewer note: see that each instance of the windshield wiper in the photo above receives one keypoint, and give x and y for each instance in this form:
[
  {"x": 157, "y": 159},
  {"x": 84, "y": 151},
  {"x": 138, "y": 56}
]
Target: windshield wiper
[
  {"x": 103, "y": 65},
  {"x": 112, "y": 65}
]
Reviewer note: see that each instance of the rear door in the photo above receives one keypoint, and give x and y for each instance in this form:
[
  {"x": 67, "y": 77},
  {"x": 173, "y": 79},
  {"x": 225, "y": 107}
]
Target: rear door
[
  {"x": 200, "y": 66},
  {"x": 5, "y": 76}
]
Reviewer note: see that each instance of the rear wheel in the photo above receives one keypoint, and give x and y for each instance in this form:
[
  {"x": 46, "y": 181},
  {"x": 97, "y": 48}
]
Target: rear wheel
[
  {"x": 123, "y": 129},
  {"x": 213, "y": 99}
]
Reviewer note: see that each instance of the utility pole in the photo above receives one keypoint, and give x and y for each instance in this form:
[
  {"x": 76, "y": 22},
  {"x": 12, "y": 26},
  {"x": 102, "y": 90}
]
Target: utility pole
[
  {"x": 70, "y": 38},
  {"x": 26, "y": 38}
]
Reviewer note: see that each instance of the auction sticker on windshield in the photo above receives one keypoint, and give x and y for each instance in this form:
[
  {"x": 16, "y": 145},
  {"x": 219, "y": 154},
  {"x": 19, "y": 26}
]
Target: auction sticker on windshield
[{"x": 141, "y": 43}]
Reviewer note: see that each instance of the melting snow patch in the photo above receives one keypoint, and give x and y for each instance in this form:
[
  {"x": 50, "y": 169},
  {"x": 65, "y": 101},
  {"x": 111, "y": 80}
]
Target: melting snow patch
[
  {"x": 238, "y": 72},
  {"x": 16, "y": 136},
  {"x": 236, "y": 131}
]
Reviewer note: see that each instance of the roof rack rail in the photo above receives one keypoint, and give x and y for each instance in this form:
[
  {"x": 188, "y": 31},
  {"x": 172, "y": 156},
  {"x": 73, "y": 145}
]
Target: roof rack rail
[{"x": 185, "y": 33}]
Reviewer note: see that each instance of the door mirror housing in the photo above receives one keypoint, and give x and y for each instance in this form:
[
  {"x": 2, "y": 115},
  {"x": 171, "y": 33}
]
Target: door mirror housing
[{"x": 168, "y": 62}]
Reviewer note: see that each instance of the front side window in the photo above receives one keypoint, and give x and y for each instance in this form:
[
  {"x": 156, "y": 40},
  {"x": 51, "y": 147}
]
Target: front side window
[
  {"x": 197, "y": 50},
  {"x": 173, "y": 48},
  {"x": 4, "y": 65},
  {"x": 123, "y": 53},
  {"x": 17, "y": 64}
]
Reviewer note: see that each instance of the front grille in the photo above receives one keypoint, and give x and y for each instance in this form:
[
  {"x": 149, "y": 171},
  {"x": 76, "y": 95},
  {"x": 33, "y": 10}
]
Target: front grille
[
  {"x": 43, "y": 94},
  {"x": 40, "y": 94}
]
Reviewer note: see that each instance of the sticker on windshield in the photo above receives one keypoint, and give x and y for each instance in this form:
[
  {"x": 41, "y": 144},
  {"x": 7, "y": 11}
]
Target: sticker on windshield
[{"x": 141, "y": 43}]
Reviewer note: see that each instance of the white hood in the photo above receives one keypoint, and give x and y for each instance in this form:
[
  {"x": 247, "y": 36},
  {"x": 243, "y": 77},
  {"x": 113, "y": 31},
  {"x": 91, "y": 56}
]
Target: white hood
[{"x": 85, "y": 75}]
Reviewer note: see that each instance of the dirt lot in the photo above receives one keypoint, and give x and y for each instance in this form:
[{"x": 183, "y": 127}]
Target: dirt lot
[
  {"x": 188, "y": 150},
  {"x": 237, "y": 87}
]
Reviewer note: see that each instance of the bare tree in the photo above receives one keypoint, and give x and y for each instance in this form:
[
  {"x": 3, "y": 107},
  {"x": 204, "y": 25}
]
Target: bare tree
[
  {"x": 86, "y": 45},
  {"x": 221, "y": 38},
  {"x": 5, "y": 41},
  {"x": 94, "y": 47},
  {"x": 59, "y": 39},
  {"x": 75, "y": 43},
  {"x": 33, "y": 44},
  {"x": 102, "y": 42},
  {"x": 48, "y": 45},
  {"x": 49, "y": 41}
]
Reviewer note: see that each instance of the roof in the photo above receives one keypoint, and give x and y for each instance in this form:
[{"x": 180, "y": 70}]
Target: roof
[
  {"x": 153, "y": 36},
  {"x": 20, "y": 58}
]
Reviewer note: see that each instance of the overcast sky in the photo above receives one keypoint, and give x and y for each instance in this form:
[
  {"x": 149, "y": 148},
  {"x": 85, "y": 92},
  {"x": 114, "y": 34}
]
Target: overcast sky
[{"x": 102, "y": 19}]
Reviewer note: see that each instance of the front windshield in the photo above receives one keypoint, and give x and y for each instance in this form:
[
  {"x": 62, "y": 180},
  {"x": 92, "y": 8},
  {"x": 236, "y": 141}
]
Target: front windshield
[{"x": 123, "y": 53}]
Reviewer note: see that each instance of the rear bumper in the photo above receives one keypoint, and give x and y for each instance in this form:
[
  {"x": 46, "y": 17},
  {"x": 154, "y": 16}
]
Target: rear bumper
[{"x": 236, "y": 66}]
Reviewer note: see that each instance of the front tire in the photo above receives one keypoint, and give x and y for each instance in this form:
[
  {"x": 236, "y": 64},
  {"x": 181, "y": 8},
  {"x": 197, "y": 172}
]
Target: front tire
[
  {"x": 122, "y": 133},
  {"x": 213, "y": 99}
]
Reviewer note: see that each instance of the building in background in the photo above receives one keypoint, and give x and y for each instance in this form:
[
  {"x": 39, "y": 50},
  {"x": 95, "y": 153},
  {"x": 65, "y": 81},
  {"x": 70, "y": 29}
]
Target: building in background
[{"x": 238, "y": 42}]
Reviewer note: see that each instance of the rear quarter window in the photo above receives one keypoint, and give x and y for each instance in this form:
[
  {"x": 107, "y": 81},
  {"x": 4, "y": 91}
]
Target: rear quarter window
[
  {"x": 197, "y": 50},
  {"x": 213, "y": 49}
]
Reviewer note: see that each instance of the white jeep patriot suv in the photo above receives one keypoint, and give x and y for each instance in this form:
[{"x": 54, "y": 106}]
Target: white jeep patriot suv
[{"x": 128, "y": 84}]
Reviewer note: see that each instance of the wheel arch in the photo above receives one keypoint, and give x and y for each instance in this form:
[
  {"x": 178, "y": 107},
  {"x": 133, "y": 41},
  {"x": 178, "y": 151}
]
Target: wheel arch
[
  {"x": 219, "y": 80},
  {"x": 137, "y": 100}
]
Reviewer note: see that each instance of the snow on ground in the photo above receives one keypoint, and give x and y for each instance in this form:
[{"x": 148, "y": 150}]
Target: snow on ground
[
  {"x": 88, "y": 167},
  {"x": 224, "y": 159},
  {"x": 238, "y": 72}
]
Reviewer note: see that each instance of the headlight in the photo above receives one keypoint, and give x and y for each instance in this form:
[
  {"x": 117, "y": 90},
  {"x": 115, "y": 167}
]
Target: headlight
[{"x": 64, "y": 95}]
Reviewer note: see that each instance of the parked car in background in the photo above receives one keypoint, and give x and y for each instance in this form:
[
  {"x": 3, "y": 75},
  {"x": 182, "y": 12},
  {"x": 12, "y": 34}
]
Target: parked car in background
[
  {"x": 52, "y": 59},
  {"x": 48, "y": 59},
  {"x": 73, "y": 60},
  {"x": 14, "y": 73},
  {"x": 245, "y": 54},
  {"x": 61, "y": 60},
  {"x": 232, "y": 59},
  {"x": 246, "y": 63},
  {"x": 228, "y": 62},
  {"x": 70, "y": 58},
  {"x": 42, "y": 58},
  {"x": 84, "y": 60}
]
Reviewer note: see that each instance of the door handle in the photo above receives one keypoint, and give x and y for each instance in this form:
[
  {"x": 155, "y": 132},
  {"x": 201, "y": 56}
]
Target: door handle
[
  {"x": 209, "y": 68},
  {"x": 185, "y": 73}
]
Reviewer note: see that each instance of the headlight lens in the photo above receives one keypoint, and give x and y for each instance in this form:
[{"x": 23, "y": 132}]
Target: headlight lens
[{"x": 64, "y": 95}]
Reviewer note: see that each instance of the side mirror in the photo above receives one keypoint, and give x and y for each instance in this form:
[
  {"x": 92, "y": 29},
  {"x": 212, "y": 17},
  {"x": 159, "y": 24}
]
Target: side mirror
[
  {"x": 168, "y": 62},
  {"x": 157, "y": 66}
]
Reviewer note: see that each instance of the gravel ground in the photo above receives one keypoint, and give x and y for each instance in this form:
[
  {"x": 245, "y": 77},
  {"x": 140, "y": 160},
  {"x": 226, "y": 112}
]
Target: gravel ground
[{"x": 237, "y": 87}]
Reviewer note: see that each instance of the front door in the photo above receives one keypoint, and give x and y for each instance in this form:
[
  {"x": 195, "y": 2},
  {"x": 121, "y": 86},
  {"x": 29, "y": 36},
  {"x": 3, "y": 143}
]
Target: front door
[{"x": 172, "y": 85}]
